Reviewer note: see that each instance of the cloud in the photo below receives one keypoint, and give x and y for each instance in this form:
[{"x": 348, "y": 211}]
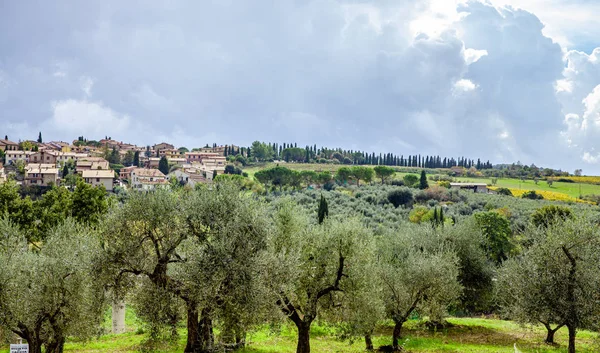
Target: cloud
[
  {"x": 72, "y": 118},
  {"x": 403, "y": 77},
  {"x": 464, "y": 85}
]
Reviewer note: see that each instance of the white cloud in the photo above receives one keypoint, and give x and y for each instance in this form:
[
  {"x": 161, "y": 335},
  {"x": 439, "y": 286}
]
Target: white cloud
[
  {"x": 72, "y": 118},
  {"x": 464, "y": 85},
  {"x": 473, "y": 55}
]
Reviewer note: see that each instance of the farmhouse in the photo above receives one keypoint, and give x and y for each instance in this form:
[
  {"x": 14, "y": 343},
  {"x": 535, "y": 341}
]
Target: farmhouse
[{"x": 475, "y": 187}]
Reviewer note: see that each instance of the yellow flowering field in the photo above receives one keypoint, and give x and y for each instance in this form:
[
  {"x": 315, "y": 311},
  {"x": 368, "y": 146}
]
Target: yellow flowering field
[
  {"x": 585, "y": 179},
  {"x": 548, "y": 195}
]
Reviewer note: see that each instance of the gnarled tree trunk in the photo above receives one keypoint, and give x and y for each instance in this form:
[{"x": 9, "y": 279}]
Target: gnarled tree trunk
[
  {"x": 396, "y": 333},
  {"x": 193, "y": 334},
  {"x": 368, "y": 342},
  {"x": 550, "y": 332},
  {"x": 303, "y": 337},
  {"x": 207, "y": 338}
]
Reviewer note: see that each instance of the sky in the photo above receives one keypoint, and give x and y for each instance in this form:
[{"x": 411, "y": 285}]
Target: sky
[{"x": 504, "y": 80}]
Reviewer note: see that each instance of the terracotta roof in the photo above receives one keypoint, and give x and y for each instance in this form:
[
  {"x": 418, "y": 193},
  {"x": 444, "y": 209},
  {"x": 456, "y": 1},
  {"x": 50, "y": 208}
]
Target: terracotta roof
[
  {"x": 98, "y": 174},
  {"x": 7, "y": 142},
  {"x": 145, "y": 172}
]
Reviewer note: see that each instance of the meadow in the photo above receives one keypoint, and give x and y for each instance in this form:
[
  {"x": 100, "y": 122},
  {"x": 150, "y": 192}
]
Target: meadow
[
  {"x": 468, "y": 335},
  {"x": 581, "y": 186}
]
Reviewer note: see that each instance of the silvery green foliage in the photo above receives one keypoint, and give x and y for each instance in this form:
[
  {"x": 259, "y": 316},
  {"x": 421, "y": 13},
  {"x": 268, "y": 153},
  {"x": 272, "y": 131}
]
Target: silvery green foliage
[
  {"x": 49, "y": 292},
  {"x": 556, "y": 281},
  {"x": 203, "y": 247},
  {"x": 419, "y": 272},
  {"x": 316, "y": 268}
]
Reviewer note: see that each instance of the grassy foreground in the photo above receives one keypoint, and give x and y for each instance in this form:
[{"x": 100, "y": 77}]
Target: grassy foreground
[{"x": 468, "y": 335}]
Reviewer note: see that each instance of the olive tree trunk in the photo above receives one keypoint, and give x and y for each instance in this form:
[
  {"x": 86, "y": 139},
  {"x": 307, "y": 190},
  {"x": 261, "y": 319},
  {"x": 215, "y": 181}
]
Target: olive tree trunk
[
  {"x": 550, "y": 332},
  {"x": 396, "y": 334},
  {"x": 303, "y": 337},
  {"x": 193, "y": 329},
  {"x": 572, "y": 334},
  {"x": 368, "y": 342}
]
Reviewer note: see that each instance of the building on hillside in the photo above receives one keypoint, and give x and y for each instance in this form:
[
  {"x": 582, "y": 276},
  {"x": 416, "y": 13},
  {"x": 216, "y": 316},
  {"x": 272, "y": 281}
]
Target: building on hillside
[
  {"x": 169, "y": 153},
  {"x": 475, "y": 187},
  {"x": 125, "y": 173},
  {"x": 219, "y": 149},
  {"x": 7, "y": 145},
  {"x": 31, "y": 166},
  {"x": 162, "y": 146},
  {"x": 177, "y": 161},
  {"x": 147, "y": 179},
  {"x": 153, "y": 162},
  {"x": 41, "y": 176},
  {"x": 187, "y": 177},
  {"x": 59, "y": 146},
  {"x": 12, "y": 157},
  {"x": 91, "y": 163},
  {"x": 99, "y": 177},
  {"x": 198, "y": 157}
]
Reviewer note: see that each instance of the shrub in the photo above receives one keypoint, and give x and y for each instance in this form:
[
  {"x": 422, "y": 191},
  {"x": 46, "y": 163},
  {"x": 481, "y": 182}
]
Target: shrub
[
  {"x": 397, "y": 182},
  {"x": 565, "y": 180},
  {"x": 444, "y": 184},
  {"x": 504, "y": 191},
  {"x": 410, "y": 180},
  {"x": 547, "y": 215},
  {"x": 400, "y": 197},
  {"x": 532, "y": 195},
  {"x": 418, "y": 214}
]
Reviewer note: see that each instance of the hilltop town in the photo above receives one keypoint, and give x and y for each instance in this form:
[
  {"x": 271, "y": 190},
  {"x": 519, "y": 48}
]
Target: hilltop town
[{"x": 109, "y": 163}]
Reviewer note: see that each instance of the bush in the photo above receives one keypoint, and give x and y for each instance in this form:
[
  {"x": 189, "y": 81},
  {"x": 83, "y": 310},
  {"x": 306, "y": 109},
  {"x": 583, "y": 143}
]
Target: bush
[
  {"x": 504, "y": 191},
  {"x": 433, "y": 193},
  {"x": 397, "y": 182},
  {"x": 565, "y": 180},
  {"x": 551, "y": 214},
  {"x": 444, "y": 184},
  {"x": 411, "y": 180},
  {"x": 400, "y": 197},
  {"x": 532, "y": 195}
]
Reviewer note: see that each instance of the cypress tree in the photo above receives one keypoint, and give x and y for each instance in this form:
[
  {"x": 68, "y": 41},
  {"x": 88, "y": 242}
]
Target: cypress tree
[
  {"x": 39, "y": 137},
  {"x": 441, "y": 215},
  {"x": 163, "y": 165},
  {"x": 136, "y": 158},
  {"x": 65, "y": 171},
  {"x": 423, "y": 182},
  {"x": 323, "y": 209},
  {"x": 434, "y": 219}
]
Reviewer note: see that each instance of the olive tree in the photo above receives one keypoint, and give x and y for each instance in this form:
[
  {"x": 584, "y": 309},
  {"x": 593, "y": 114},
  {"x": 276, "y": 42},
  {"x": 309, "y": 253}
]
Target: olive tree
[
  {"x": 556, "y": 281},
  {"x": 315, "y": 267},
  {"x": 417, "y": 272},
  {"x": 199, "y": 246},
  {"x": 52, "y": 292}
]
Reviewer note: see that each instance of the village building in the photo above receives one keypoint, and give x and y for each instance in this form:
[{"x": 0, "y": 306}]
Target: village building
[
  {"x": 12, "y": 156},
  {"x": 162, "y": 146},
  {"x": 199, "y": 157},
  {"x": 147, "y": 179},
  {"x": 7, "y": 145},
  {"x": 41, "y": 176},
  {"x": 125, "y": 173},
  {"x": 99, "y": 178},
  {"x": 91, "y": 163}
]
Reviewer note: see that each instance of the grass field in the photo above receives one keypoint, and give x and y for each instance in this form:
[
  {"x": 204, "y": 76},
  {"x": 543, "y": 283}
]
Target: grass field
[
  {"x": 573, "y": 190},
  {"x": 469, "y": 335}
]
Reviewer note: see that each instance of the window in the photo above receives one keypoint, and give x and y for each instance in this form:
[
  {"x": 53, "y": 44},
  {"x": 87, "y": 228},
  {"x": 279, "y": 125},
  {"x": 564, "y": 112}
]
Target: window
[{"x": 97, "y": 180}]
